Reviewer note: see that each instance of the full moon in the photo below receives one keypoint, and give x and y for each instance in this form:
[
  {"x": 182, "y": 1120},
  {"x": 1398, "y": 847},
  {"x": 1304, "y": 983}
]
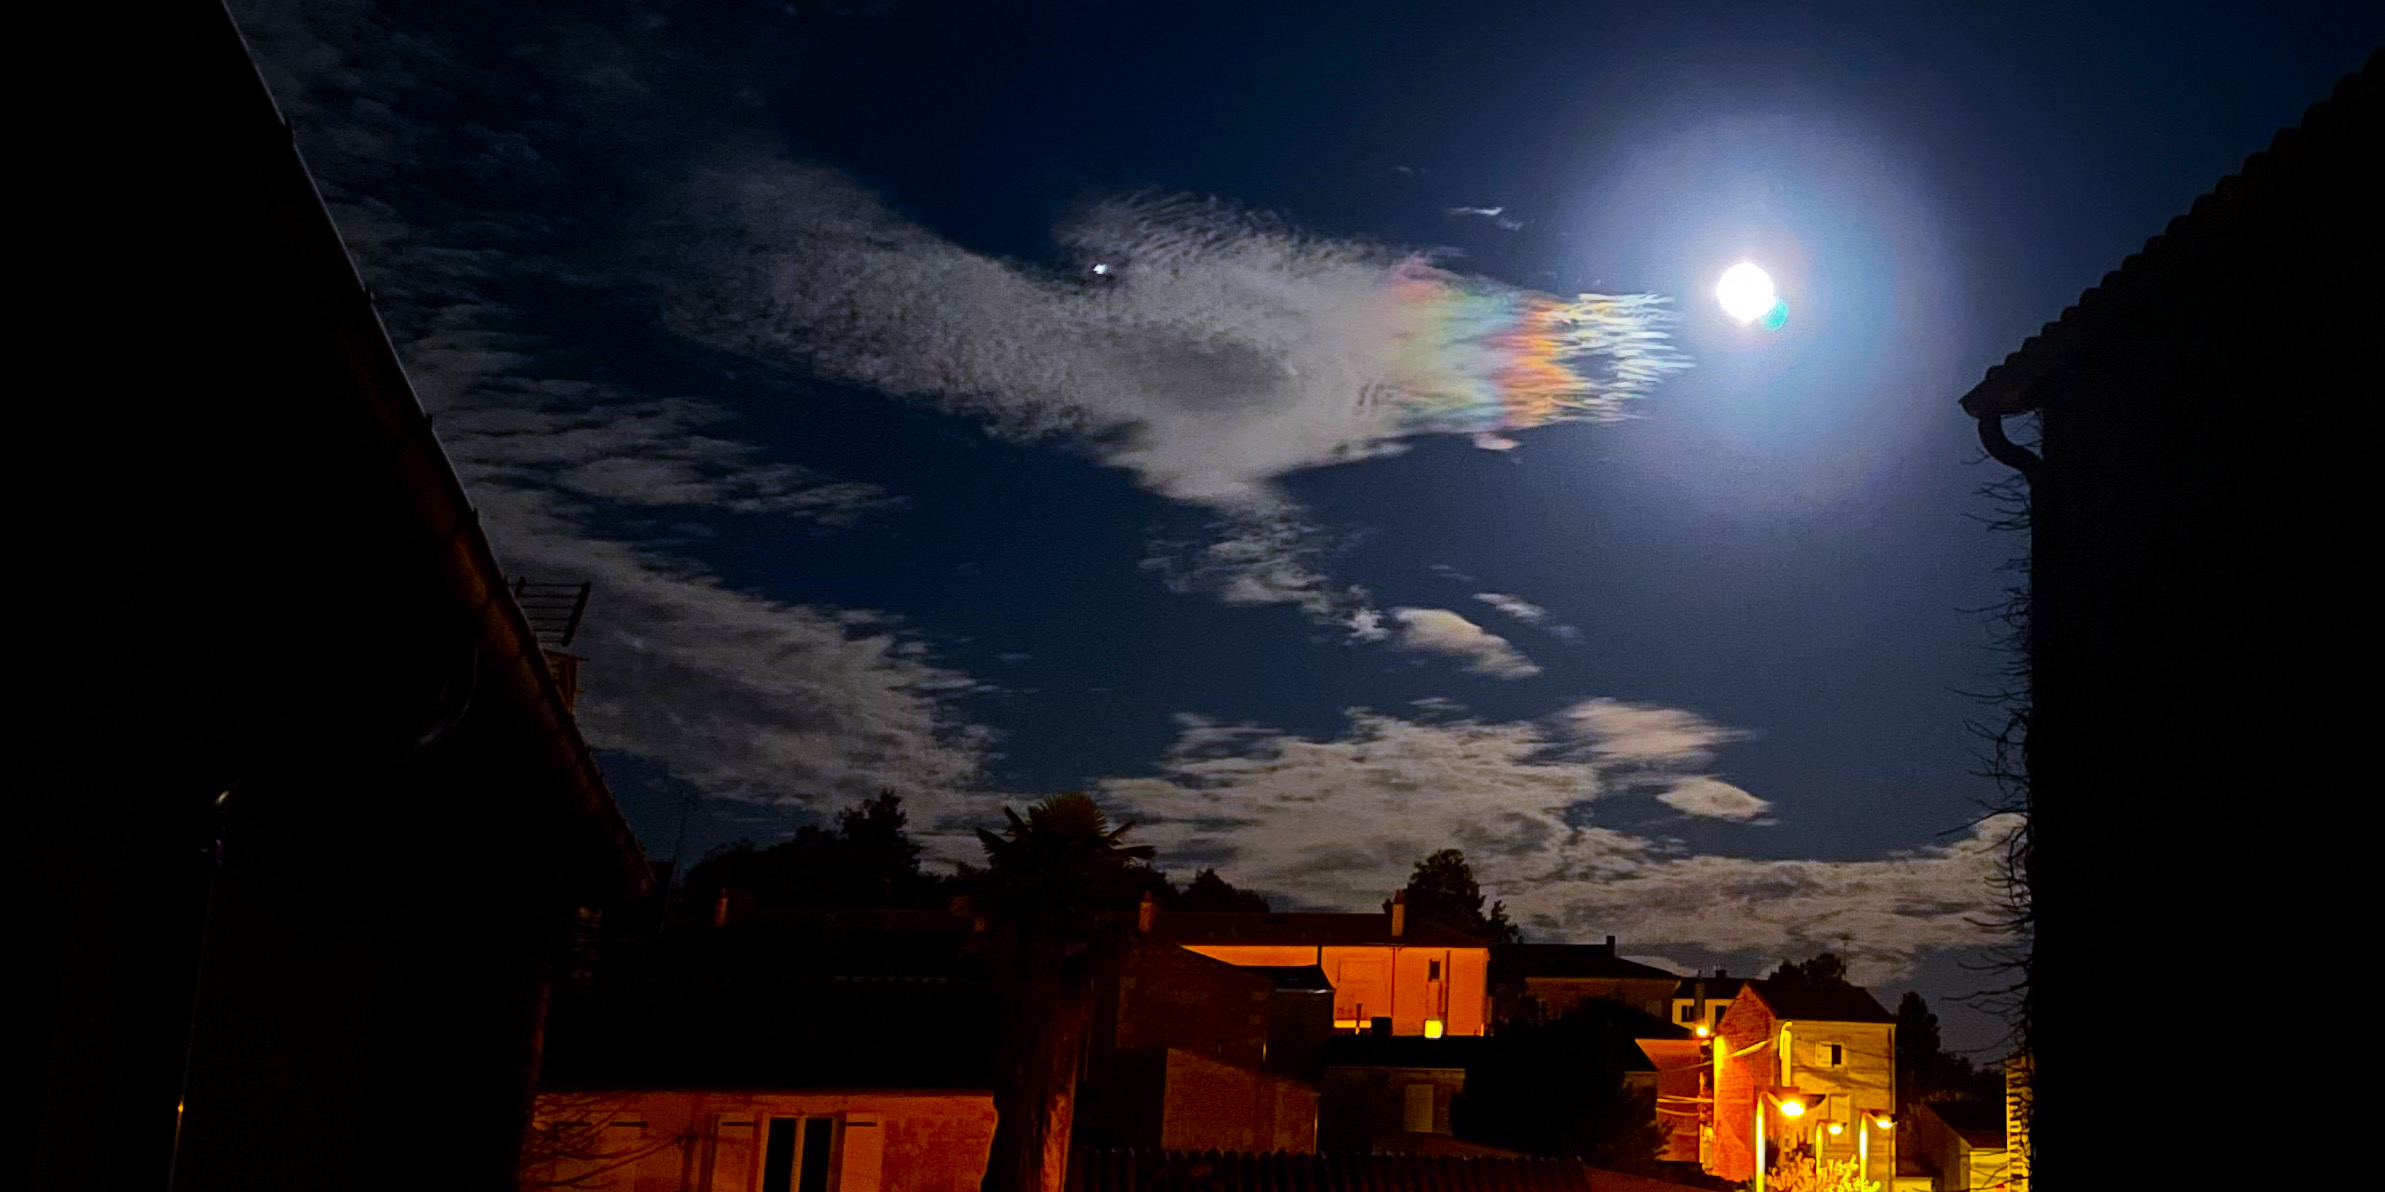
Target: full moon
[{"x": 1746, "y": 292}]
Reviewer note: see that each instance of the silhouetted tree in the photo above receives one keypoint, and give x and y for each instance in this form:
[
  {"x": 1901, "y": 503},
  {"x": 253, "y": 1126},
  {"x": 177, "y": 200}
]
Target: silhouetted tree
[
  {"x": 1926, "y": 1071},
  {"x": 1060, "y": 888},
  {"x": 1917, "y": 1046},
  {"x": 1558, "y": 1088},
  {"x": 1824, "y": 969},
  {"x": 1442, "y": 890},
  {"x": 867, "y": 861},
  {"x": 1209, "y": 892}
]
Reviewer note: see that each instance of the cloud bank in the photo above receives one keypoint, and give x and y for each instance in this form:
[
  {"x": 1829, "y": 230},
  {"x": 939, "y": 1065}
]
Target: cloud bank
[
  {"x": 1217, "y": 351},
  {"x": 1338, "y": 822}
]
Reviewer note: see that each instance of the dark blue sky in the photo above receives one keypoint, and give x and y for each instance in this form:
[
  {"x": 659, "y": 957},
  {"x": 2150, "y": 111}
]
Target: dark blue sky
[{"x": 778, "y": 324}]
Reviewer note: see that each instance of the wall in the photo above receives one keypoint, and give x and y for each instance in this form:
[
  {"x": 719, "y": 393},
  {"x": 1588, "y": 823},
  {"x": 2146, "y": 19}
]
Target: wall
[
  {"x": 2207, "y": 488},
  {"x": 1958, "y": 1166},
  {"x": 1865, "y": 1083},
  {"x": 693, "y": 1141},
  {"x": 1386, "y": 981},
  {"x": 1208, "y": 1105},
  {"x": 1365, "y": 1108},
  {"x": 1751, "y": 1064},
  {"x": 1172, "y": 997}
]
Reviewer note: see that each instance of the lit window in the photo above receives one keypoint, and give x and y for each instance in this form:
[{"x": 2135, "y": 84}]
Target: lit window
[{"x": 1432, "y": 1028}]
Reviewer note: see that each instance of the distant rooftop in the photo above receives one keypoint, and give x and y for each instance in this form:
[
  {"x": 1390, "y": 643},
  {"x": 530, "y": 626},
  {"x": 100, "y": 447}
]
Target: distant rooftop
[
  {"x": 1820, "y": 1003},
  {"x": 1980, "y": 1123},
  {"x": 1303, "y": 929},
  {"x": 1718, "y": 989},
  {"x": 1572, "y": 960}
]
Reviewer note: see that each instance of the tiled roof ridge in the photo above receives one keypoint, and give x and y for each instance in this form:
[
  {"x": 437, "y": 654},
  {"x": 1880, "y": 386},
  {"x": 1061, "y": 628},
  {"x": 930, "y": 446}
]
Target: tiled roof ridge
[{"x": 2002, "y": 390}]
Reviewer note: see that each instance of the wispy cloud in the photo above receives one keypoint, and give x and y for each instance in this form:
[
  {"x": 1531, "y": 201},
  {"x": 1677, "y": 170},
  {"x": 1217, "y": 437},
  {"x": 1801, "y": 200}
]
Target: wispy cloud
[
  {"x": 1216, "y": 352},
  {"x": 1440, "y": 631},
  {"x": 1496, "y": 215},
  {"x": 1527, "y": 612},
  {"x": 1337, "y": 822}
]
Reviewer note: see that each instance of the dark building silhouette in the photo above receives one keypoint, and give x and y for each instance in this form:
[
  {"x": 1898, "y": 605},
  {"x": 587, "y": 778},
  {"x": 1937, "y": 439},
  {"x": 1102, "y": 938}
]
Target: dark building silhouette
[
  {"x": 1232, "y": 1171},
  {"x": 309, "y": 815},
  {"x": 1536, "y": 982},
  {"x": 2198, "y": 627}
]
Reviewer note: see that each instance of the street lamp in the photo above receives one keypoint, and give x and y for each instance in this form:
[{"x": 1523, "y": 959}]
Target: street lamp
[
  {"x": 1863, "y": 1140},
  {"x": 1792, "y": 1105}
]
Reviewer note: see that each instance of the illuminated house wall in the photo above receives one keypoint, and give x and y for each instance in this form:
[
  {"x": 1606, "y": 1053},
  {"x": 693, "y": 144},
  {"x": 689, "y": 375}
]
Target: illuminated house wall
[
  {"x": 1832, "y": 1049},
  {"x": 810, "y": 1141},
  {"x": 1427, "y": 979}
]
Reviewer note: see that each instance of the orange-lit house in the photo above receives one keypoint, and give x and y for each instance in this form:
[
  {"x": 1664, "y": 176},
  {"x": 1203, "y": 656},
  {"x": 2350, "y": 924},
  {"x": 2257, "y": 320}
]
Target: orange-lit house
[
  {"x": 1799, "y": 1071},
  {"x": 1419, "y": 978},
  {"x": 1192, "y": 1053},
  {"x": 809, "y": 1140},
  {"x": 742, "y": 1060}
]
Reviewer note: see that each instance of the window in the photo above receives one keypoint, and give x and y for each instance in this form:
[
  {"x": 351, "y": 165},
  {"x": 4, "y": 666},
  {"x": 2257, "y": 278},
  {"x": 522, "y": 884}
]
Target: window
[
  {"x": 795, "y": 1154},
  {"x": 1834, "y": 1055},
  {"x": 1432, "y": 970},
  {"x": 1688, "y": 1011}
]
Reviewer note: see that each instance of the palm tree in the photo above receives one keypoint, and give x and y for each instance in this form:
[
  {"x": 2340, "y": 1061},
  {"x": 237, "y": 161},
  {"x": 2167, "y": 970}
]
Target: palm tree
[{"x": 1061, "y": 890}]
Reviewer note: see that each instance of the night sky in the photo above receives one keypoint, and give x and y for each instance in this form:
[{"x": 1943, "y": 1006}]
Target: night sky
[{"x": 782, "y": 325}]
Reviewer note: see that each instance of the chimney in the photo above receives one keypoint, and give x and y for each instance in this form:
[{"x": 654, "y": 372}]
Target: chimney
[
  {"x": 1146, "y": 913},
  {"x": 1720, "y": 972},
  {"x": 1399, "y": 913},
  {"x": 1610, "y": 945}
]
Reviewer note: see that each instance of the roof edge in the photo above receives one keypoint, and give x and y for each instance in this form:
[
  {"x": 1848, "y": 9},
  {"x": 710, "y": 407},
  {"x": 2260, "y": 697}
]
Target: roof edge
[
  {"x": 396, "y": 417},
  {"x": 2009, "y": 388}
]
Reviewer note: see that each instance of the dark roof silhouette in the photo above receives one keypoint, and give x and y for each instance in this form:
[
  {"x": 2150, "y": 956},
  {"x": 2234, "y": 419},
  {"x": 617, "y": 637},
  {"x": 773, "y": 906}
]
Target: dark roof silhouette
[
  {"x": 2336, "y": 132},
  {"x": 1571, "y": 960},
  {"x": 1980, "y": 1123},
  {"x": 1303, "y": 929},
  {"x": 1820, "y": 1003},
  {"x": 1237, "y": 1171},
  {"x": 752, "y": 1030},
  {"x": 1717, "y": 989},
  {"x": 1401, "y": 1051}
]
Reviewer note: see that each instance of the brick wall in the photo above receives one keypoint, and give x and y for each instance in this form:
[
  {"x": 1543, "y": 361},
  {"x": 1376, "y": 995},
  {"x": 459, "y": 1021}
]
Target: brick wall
[
  {"x": 1171, "y": 997},
  {"x": 697, "y": 1141},
  {"x": 1208, "y": 1105}
]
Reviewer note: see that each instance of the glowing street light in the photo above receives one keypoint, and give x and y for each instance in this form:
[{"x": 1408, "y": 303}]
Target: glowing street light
[{"x": 1863, "y": 1140}]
